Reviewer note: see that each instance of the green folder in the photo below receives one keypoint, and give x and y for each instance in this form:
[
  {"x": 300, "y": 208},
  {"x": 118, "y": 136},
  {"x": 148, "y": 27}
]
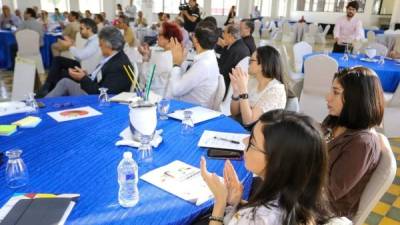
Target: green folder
[{"x": 6, "y": 130}]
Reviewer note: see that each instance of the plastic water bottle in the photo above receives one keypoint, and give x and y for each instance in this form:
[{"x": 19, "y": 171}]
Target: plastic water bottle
[
  {"x": 128, "y": 195},
  {"x": 187, "y": 123}
]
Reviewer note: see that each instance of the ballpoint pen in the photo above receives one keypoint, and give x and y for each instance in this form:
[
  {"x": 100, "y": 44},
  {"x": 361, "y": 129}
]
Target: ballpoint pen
[{"x": 228, "y": 140}]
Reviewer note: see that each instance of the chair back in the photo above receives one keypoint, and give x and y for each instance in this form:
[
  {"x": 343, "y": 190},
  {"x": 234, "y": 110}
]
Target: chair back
[
  {"x": 371, "y": 36},
  {"x": 219, "y": 94},
  {"x": 292, "y": 104},
  {"x": 326, "y": 30},
  {"x": 24, "y": 78},
  {"x": 318, "y": 74},
  {"x": 299, "y": 51},
  {"x": 379, "y": 182},
  {"x": 313, "y": 29},
  {"x": 380, "y": 48},
  {"x": 28, "y": 43}
]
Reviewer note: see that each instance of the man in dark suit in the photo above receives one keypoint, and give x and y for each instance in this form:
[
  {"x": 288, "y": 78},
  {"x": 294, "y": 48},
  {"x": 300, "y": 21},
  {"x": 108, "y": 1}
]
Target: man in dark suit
[
  {"x": 246, "y": 32},
  {"x": 108, "y": 74},
  {"x": 231, "y": 49}
]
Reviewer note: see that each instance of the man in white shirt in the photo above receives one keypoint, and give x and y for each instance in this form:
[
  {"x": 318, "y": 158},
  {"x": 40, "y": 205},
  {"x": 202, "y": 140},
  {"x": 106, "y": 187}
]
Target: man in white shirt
[
  {"x": 199, "y": 83},
  {"x": 60, "y": 65},
  {"x": 348, "y": 28},
  {"x": 130, "y": 11}
]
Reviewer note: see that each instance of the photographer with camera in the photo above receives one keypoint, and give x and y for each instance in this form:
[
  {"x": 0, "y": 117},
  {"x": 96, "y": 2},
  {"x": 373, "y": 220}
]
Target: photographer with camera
[{"x": 190, "y": 13}]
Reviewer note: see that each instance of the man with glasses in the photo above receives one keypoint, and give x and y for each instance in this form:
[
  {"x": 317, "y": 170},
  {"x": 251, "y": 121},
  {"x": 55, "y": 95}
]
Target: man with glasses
[
  {"x": 60, "y": 65},
  {"x": 348, "y": 28}
]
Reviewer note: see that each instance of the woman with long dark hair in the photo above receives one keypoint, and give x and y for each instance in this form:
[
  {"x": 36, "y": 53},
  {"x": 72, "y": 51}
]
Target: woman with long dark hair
[
  {"x": 264, "y": 91},
  {"x": 293, "y": 172},
  {"x": 356, "y": 106}
]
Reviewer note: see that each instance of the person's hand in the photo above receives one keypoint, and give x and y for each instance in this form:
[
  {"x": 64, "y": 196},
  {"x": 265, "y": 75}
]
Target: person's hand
[
  {"x": 145, "y": 51},
  {"x": 234, "y": 81},
  {"x": 217, "y": 187},
  {"x": 177, "y": 51},
  {"x": 393, "y": 54},
  {"x": 241, "y": 78},
  {"x": 77, "y": 73},
  {"x": 221, "y": 42},
  {"x": 67, "y": 42},
  {"x": 235, "y": 188}
]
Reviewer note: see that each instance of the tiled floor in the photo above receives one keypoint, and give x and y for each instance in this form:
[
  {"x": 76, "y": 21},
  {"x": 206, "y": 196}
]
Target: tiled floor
[{"x": 387, "y": 211}]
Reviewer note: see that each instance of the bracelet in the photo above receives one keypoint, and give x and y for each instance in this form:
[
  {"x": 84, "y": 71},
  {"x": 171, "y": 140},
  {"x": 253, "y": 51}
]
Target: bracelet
[
  {"x": 244, "y": 96},
  {"x": 217, "y": 219},
  {"x": 235, "y": 98}
]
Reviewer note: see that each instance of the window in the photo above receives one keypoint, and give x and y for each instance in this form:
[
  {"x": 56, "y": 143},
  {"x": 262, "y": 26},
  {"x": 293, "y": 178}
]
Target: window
[
  {"x": 282, "y": 8},
  {"x": 222, "y": 7},
  {"x": 95, "y": 6},
  {"x": 171, "y": 6},
  {"x": 326, "y": 5},
  {"x": 49, "y": 5},
  {"x": 264, "y": 6}
]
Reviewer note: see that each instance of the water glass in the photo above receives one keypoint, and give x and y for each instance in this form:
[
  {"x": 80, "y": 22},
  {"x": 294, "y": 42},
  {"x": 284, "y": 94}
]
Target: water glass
[
  {"x": 381, "y": 60},
  {"x": 145, "y": 150},
  {"x": 104, "y": 100},
  {"x": 187, "y": 123},
  {"x": 163, "y": 107},
  {"x": 16, "y": 171},
  {"x": 31, "y": 103},
  {"x": 3, "y": 91}
]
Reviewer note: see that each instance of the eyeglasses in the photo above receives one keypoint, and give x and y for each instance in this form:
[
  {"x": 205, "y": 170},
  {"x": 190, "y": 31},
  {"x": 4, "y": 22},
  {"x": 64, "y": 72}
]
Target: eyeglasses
[{"x": 253, "y": 146}]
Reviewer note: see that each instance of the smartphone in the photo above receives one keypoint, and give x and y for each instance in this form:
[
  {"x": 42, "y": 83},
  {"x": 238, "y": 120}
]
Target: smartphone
[{"x": 219, "y": 153}]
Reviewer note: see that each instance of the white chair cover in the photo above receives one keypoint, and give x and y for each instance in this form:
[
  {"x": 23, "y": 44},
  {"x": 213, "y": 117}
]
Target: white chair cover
[
  {"x": 24, "y": 78},
  {"x": 391, "y": 122},
  {"x": 379, "y": 182},
  {"x": 318, "y": 74},
  {"x": 219, "y": 93},
  {"x": 380, "y": 48},
  {"x": 28, "y": 47},
  {"x": 299, "y": 51}
]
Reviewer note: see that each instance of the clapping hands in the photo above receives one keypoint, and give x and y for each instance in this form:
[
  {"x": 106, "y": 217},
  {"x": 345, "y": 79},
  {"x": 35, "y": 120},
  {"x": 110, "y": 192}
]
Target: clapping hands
[
  {"x": 239, "y": 81},
  {"x": 177, "y": 51},
  {"x": 230, "y": 190}
]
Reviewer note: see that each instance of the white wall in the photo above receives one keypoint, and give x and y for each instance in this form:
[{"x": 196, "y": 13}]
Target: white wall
[{"x": 330, "y": 17}]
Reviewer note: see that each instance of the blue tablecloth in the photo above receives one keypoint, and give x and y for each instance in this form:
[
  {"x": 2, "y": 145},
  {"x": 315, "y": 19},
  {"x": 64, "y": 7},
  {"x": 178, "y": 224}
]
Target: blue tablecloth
[
  {"x": 81, "y": 157},
  {"x": 375, "y": 31},
  {"x": 7, "y": 39},
  {"x": 389, "y": 73}
]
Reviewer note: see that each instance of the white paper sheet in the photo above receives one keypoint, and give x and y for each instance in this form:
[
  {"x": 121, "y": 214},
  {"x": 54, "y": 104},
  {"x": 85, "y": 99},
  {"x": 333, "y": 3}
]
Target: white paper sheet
[
  {"x": 199, "y": 114},
  {"x": 181, "y": 180},
  {"x": 224, "y": 140},
  {"x": 73, "y": 114}
]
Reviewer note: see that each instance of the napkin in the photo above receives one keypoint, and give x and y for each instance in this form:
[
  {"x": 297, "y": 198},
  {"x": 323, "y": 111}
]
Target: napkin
[{"x": 127, "y": 139}]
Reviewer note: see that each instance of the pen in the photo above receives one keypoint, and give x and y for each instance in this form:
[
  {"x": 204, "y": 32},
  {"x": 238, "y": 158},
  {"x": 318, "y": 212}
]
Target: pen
[{"x": 224, "y": 139}]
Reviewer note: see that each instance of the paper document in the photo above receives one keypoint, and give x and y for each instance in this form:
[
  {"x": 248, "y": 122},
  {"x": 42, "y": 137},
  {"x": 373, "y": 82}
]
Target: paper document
[
  {"x": 125, "y": 97},
  {"x": 74, "y": 114},
  {"x": 224, "y": 140},
  {"x": 199, "y": 114},
  {"x": 181, "y": 180}
]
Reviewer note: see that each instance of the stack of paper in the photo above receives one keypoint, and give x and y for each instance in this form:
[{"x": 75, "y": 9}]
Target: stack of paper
[
  {"x": 181, "y": 180},
  {"x": 199, "y": 114},
  {"x": 223, "y": 140},
  {"x": 125, "y": 97},
  {"x": 7, "y": 130},
  {"x": 28, "y": 122}
]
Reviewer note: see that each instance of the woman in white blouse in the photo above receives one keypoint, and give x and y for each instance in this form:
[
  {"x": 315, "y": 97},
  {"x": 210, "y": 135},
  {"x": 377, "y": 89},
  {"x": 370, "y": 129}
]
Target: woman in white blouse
[
  {"x": 263, "y": 91},
  {"x": 293, "y": 173},
  {"x": 162, "y": 58}
]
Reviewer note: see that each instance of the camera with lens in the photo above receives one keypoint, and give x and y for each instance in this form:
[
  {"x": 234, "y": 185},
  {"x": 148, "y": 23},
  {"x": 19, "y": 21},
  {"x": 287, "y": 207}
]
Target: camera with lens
[{"x": 184, "y": 6}]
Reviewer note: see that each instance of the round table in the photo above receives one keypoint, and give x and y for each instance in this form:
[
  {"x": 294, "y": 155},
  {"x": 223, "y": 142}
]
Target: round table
[
  {"x": 80, "y": 156},
  {"x": 7, "y": 39},
  {"x": 389, "y": 72}
]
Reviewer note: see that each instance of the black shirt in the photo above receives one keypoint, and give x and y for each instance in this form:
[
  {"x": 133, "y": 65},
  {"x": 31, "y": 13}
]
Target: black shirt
[
  {"x": 251, "y": 44},
  {"x": 189, "y": 25}
]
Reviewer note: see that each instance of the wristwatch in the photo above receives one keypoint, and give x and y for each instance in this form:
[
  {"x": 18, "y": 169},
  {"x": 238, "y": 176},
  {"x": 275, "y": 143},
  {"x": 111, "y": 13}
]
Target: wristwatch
[
  {"x": 244, "y": 96},
  {"x": 235, "y": 98}
]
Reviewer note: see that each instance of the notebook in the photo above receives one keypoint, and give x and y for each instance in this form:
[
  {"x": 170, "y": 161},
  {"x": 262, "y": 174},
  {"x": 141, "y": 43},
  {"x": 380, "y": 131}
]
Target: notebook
[
  {"x": 38, "y": 210},
  {"x": 199, "y": 114},
  {"x": 222, "y": 140},
  {"x": 181, "y": 180}
]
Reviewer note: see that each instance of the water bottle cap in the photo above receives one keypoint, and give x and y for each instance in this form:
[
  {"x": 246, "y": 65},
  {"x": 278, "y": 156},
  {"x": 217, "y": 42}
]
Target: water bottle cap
[{"x": 127, "y": 155}]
